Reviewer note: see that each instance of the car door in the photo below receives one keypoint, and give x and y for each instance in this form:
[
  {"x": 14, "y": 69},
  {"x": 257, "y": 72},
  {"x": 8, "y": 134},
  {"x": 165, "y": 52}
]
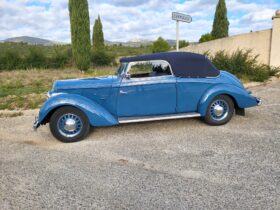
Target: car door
[
  {"x": 190, "y": 91},
  {"x": 147, "y": 91}
]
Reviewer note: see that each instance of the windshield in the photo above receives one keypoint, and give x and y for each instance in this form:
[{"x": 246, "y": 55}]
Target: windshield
[{"x": 120, "y": 69}]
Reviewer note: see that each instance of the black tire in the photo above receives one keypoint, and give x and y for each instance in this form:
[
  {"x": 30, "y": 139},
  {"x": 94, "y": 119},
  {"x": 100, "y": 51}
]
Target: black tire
[
  {"x": 212, "y": 119},
  {"x": 63, "y": 134}
]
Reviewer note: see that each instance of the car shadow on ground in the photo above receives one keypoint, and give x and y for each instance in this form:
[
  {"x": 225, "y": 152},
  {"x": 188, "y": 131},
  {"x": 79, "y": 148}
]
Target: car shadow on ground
[{"x": 43, "y": 136}]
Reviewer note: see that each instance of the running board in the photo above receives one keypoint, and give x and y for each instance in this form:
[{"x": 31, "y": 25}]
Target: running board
[{"x": 123, "y": 120}]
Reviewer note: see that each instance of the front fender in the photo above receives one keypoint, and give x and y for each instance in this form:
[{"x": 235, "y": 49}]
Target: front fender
[
  {"x": 97, "y": 115},
  {"x": 241, "y": 97}
]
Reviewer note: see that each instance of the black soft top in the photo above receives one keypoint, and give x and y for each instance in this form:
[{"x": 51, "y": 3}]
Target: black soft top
[{"x": 183, "y": 64}]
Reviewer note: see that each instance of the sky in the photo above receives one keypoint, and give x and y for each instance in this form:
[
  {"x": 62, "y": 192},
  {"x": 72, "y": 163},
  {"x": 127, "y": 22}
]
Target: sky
[{"x": 125, "y": 20}]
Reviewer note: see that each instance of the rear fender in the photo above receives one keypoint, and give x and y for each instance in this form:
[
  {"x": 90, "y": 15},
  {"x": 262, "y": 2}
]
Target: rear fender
[
  {"x": 240, "y": 96},
  {"x": 97, "y": 115}
]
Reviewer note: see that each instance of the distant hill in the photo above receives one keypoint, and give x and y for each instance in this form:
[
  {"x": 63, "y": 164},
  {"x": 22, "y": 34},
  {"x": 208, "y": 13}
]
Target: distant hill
[
  {"x": 138, "y": 42},
  {"x": 131, "y": 43},
  {"x": 38, "y": 41},
  {"x": 31, "y": 41}
]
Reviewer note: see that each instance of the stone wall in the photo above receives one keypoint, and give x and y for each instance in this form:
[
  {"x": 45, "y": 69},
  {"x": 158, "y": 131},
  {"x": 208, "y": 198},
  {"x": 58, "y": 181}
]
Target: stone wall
[
  {"x": 264, "y": 43},
  {"x": 275, "y": 41}
]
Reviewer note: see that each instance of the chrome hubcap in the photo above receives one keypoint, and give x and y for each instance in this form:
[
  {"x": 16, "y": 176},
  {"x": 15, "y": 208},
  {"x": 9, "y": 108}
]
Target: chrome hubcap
[
  {"x": 219, "y": 110},
  {"x": 69, "y": 125}
]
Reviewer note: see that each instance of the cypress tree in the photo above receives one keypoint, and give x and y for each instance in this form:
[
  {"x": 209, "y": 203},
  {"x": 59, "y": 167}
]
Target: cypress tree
[
  {"x": 80, "y": 33},
  {"x": 221, "y": 23},
  {"x": 97, "y": 36}
]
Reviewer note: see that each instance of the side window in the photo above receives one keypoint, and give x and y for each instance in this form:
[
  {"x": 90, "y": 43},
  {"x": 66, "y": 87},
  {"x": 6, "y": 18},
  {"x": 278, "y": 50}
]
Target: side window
[
  {"x": 149, "y": 69},
  {"x": 140, "y": 69}
]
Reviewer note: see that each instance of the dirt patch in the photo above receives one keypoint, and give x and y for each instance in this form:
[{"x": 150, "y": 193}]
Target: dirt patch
[
  {"x": 28, "y": 142},
  {"x": 11, "y": 114},
  {"x": 123, "y": 161}
]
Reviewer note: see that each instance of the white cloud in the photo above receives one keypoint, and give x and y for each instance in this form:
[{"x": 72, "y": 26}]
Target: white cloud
[
  {"x": 18, "y": 19},
  {"x": 255, "y": 16},
  {"x": 125, "y": 19}
]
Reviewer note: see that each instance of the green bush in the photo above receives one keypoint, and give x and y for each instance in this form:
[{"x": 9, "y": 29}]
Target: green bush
[
  {"x": 206, "y": 38},
  {"x": 10, "y": 59},
  {"x": 17, "y": 55},
  {"x": 160, "y": 45},
  {"x": 61, "y": 58},
  {"x": 21, "y": 56},
  {"x": 101, "y": 58},
  {"x": 183, "y": 43},
  {"x": 244, "y": 65},
  {"x": 35, "y": 59}
]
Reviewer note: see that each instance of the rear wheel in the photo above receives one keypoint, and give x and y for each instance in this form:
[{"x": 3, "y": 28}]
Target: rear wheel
[
  {"x": 220, "y": 110},
  {"x": 69, "y": 124}
]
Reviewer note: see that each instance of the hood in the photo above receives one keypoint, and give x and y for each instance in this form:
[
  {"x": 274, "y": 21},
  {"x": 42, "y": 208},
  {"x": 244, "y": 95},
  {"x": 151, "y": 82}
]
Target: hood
[{"x": 96, "y": 82}]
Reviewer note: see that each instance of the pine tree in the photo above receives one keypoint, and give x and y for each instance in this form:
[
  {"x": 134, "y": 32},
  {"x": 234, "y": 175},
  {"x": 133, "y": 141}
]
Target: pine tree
[
  {"x": 80, "y": 33},
  {"x": 221, "y": 23},
  {"x": 97, "y": 36}
]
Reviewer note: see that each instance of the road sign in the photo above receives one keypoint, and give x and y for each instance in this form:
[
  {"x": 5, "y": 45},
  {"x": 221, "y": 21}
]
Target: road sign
[{"x": 183, "y": 18}]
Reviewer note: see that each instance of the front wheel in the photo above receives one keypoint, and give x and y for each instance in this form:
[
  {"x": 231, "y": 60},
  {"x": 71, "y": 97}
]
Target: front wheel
[
  {"x": 69, "y": 124},
  {"x": 220, "y": 110}
]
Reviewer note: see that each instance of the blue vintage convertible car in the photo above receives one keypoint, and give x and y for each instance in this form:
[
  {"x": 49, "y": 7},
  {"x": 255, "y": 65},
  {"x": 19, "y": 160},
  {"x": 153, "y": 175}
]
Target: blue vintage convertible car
[{"x": 159, "y": 86}]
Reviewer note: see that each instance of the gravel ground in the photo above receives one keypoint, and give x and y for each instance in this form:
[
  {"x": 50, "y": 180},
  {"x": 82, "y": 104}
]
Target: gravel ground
[{"x": 178, "y": 164}]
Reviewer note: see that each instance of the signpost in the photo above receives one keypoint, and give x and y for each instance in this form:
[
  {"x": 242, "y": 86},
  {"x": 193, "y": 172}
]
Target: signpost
[{"x": 183, "y": 18}]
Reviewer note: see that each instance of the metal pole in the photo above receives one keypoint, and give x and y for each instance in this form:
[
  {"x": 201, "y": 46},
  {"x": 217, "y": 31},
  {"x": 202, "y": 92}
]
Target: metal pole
[{"x": 177, "y": 35}]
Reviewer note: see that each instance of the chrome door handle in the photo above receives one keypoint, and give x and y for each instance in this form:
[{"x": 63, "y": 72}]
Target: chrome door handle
[{"x": 123, "y": 92}]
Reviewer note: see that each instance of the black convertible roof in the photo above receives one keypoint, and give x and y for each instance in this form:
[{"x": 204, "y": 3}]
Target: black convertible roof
[{"x": 183, "y": 64}]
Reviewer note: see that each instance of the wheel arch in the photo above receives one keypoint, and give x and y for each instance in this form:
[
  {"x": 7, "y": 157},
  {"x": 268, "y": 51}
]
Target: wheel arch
[
  {"x": 96, "y": 114},
  {"x": 239, "y": 96},
  {"x": 50, "y": 113},
  {"x": 233, "y": 100},
  {"x": 238, "y": 110}
]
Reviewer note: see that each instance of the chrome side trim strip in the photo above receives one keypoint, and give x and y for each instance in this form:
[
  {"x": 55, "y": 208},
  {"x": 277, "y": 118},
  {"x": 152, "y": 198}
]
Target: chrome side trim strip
[{"x": 123, "y": 120}]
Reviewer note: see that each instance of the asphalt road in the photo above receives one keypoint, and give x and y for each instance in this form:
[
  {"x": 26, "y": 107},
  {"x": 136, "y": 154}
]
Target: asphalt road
[{"x": 178, "y": 164}]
